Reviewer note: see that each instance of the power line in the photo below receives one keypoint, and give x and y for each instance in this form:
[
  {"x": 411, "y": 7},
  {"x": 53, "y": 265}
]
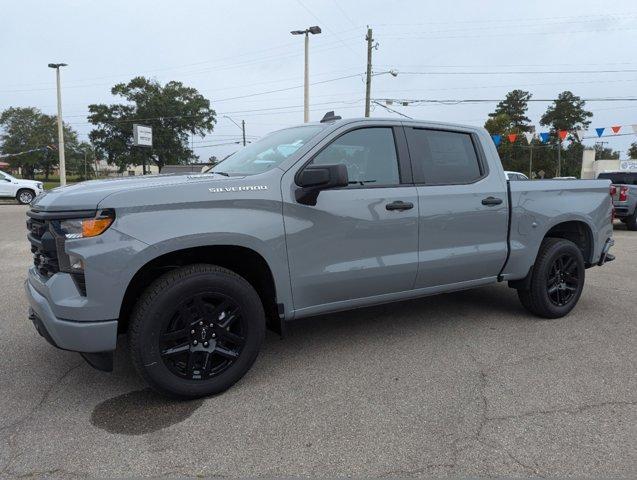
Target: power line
[
  {"x": 391, "y": 109},
  {"x": 522, "y": 72}
]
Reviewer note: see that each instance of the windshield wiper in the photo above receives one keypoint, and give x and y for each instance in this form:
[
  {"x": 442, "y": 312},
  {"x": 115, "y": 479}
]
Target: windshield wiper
[{"x": 221, "y": 173}]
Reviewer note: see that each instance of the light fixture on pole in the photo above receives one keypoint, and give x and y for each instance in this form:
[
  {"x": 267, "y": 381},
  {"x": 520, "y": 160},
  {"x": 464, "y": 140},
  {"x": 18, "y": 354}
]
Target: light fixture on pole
[
  {"x": 306, "y": 90},
  {"x": 62, "y": 160}
]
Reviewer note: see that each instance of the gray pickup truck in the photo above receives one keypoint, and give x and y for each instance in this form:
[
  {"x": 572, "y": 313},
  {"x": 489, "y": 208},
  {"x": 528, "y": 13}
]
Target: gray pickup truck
[
  {"x": 624, "y": 193},
  {"x": 327, "y": 216}
]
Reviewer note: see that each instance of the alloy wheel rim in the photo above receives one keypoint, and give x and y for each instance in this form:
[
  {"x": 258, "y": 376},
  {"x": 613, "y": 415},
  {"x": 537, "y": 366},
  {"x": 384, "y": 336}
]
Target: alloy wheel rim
[
  {"x": 563, "y": 280},
  {"x": 26, "y": 197},
  {"x": 203, "y": 337}
]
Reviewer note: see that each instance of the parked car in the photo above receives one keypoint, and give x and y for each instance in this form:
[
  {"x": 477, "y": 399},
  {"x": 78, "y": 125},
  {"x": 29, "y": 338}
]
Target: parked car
[
  {"x": 515, "y": 175},
  {"x": 24, "y": 191},
  {"x": 360, "y": 212},
  {"x": 624, "y": 193}
]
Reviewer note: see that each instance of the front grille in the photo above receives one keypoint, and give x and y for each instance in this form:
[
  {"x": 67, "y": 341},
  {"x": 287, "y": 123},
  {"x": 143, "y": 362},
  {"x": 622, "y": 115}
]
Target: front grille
[
  {"x": 43, "y": 246},
  {"x": 47, "y": 246}
]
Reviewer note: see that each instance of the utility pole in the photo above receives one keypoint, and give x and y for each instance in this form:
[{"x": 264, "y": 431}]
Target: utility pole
[
  {"x": 531, "y": 162},
  {"x": 243, "y": 131},
  {"x": 62, "y": 160},
  {"x": 559, "y": 158},
  {"x": 368, "y": 80}
]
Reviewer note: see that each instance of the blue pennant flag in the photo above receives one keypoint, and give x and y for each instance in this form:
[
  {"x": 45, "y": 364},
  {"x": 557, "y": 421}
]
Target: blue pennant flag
[
  {"x": 599, "y": 131},
  {"x": 544, "y": 136},
  {"x": 497, "y": 139}
]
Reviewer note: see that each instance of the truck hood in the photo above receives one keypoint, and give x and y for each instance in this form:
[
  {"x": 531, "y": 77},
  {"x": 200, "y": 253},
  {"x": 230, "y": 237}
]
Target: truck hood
[{"x": 87, "y": 195}]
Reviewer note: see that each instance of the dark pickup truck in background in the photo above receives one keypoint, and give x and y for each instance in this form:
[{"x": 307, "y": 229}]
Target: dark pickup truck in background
[{"x": 624, "y": 193}]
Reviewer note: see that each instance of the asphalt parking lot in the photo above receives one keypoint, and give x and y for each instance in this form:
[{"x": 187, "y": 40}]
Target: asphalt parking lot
[{"x": 464, "y": 384}]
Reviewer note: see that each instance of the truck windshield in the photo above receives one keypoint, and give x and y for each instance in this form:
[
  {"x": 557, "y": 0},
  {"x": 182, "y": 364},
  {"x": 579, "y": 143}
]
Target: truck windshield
[
  {"x": 267, "y": 152},
  {"x": 620, "y": 178}
]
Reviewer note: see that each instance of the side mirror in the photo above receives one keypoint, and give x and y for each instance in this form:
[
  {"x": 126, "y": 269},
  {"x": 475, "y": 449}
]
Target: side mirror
[{"x": 315, "y": 178}]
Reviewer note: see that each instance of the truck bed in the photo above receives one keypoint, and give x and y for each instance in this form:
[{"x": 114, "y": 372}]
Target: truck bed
[{"x": 538, "y": 205}]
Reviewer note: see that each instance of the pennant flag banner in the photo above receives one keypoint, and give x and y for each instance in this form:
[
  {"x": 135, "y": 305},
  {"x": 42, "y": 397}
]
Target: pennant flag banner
[{"x": 579, "y": 134}]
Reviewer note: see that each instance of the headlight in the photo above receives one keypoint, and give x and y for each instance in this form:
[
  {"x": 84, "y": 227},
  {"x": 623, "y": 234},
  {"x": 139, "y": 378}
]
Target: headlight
[
  {"x": 87, "y": 227},
  {"x": 39, "y": 185}
]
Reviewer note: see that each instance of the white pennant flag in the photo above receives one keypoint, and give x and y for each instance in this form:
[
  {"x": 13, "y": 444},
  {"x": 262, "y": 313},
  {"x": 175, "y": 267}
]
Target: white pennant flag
[
  {"x": 634, "y": 128},
  {"x": 529, "y": 137},
  {"x": 580, "y": 134}
]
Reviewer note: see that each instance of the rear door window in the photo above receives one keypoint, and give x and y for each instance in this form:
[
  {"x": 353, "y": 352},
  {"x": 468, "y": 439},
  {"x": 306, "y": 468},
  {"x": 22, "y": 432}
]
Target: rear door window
[{"x": 442, "y": 157}]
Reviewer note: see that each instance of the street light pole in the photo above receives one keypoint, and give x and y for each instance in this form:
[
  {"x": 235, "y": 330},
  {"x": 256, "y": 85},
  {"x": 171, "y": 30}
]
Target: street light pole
[
  {"x": 306, "y": 74},
  {"x": 62, "y": 160}
]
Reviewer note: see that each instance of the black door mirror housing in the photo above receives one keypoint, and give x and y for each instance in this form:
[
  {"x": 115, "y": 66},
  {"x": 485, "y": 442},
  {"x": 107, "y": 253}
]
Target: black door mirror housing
[{"x": 315, "y": 178}]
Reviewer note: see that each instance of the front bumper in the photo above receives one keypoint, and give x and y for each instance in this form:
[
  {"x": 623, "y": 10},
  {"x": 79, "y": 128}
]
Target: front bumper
[{"x": 77, "y": 336}]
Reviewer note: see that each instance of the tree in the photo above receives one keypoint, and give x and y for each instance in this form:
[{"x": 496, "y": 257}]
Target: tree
[
  {"x": 566, "y": 113},
  {"x": 515, "y": 106},
  {"x": 27, "y": 129},
  {"x": 632, "y": 151},
  {"x": 174, "y": 111}
]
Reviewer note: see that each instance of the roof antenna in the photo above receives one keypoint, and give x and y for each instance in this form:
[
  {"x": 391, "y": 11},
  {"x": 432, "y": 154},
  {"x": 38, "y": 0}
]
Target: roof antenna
[{"x": 330, "y": 117}]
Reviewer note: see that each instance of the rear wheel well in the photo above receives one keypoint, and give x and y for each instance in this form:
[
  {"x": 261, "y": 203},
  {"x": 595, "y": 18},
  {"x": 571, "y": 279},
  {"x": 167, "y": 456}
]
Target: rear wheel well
[
  {"x": 577, "y": 232},
  {"x": 243, "y": 261}
]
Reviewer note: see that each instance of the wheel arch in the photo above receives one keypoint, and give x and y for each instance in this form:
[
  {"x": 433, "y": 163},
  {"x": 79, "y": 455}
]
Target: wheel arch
[
  {"x": 577, "y": 231},
  {"x": 242, "y": 260}
]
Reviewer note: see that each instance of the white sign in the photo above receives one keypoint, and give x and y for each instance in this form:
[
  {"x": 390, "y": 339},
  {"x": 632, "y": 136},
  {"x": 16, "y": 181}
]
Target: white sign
[
  {"x": 142, "y": 136},
  {"x": 628, "y": 165}
]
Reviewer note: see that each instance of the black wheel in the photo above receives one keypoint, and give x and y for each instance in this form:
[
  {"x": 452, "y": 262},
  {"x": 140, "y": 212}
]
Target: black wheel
[
  {"x": 196, "y": 331},
  {"x": 557, "y": 280},
  {"x": 25, "y": 196},
  {"x": 631, "y": 222}
]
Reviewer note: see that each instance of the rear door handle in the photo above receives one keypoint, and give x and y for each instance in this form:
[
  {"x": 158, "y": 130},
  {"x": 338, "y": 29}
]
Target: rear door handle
[
  {"x": 399, "y": 205},
  {"x": 491, "y": 201}
]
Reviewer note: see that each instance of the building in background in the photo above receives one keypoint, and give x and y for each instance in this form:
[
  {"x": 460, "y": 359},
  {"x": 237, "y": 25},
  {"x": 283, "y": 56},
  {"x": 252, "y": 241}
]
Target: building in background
[{"x": 591, "y": 168}]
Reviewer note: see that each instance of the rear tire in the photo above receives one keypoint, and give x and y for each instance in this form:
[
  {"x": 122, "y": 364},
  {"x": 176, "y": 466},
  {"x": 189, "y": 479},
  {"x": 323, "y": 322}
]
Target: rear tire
[
  {"x": 557, "y": 279},
  {"x": 631, "y": 222},
  {"x": 25, "y": 196},
  {"x": 196, "y": 331}
]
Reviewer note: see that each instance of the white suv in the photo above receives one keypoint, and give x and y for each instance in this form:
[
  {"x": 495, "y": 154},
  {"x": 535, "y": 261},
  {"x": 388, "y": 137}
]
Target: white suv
[{"x": 24, "y": 191}]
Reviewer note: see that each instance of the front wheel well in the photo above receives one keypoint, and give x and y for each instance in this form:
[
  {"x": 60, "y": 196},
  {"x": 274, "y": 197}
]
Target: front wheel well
[{"x": 241, "y": 260}]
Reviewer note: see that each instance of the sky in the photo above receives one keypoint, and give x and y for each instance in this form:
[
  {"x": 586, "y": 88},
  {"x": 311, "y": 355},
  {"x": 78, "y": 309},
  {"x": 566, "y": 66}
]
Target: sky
[{"x": 241, "y": 56}]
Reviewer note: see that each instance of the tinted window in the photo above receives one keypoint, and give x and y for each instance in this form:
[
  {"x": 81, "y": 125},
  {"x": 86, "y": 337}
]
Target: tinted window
[
  {"x": 443, "y": 157},
  {"x": 620, "y": 178},
  {"x": 368, "y": 153}
]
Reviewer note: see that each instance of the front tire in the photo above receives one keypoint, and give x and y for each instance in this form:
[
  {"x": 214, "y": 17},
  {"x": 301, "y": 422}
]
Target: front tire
[
  {"x": 557, "y": 279},
  {"x": 25, "y": 196},
  {"x": 196, "y": 331}
]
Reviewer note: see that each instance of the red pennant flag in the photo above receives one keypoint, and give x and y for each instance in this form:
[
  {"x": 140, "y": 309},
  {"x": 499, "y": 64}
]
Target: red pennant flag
[
  {"x": 562, "y": 134},
  {"x": 512, "y": 137},
  {"x": 616, "y": 128}
]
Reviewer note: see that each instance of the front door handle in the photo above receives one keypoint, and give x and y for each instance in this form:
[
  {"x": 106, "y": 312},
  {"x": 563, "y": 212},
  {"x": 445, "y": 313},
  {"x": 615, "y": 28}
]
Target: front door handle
[
  {"x": 399, "y": 205},
  {"x": 491, "y": 201}
]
